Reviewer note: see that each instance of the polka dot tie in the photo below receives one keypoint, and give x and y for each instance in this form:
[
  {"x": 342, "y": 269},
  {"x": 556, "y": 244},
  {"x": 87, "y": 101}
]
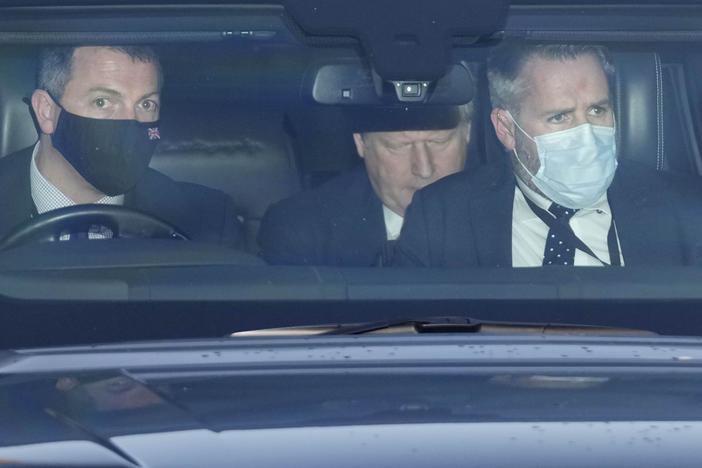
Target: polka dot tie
[{"x": 559, "y": 251}]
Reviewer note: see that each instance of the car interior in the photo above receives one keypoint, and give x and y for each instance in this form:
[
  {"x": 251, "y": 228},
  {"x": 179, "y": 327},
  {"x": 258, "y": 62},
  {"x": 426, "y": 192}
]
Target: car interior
[{"x": 261, "y": 153}]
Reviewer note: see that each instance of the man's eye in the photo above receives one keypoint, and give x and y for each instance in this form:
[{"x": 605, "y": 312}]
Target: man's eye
[
  {"x": 558, "y": 118},
  {"x": 598, "y": 111},
  {"x": 149, "y": 105},
  {"x": 100, "y": 103},
  {"x": 439, "y": 142},
  {"x": 397, "y": 146}
]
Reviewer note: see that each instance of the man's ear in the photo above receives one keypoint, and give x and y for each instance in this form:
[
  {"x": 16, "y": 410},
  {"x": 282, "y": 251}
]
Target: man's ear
[
  {"x": 504, "y": 127},
  {"x": 360, "y": 144},
  {"x": 45, "y": 110}
]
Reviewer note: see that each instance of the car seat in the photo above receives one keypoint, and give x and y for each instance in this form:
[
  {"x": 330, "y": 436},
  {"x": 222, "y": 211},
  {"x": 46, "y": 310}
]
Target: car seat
[
  {"x": 651, "y": 105},
  {"x": 17, "y": 82},
  {"x": 244, "y": 152}
]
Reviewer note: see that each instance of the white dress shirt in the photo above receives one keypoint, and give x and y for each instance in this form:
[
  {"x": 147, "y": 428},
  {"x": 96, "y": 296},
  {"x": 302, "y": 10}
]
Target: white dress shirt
[
  {"x": 46, "y": 197},
  {"x": 591, "y": 225},
  {"x": 393, "y": 223}
]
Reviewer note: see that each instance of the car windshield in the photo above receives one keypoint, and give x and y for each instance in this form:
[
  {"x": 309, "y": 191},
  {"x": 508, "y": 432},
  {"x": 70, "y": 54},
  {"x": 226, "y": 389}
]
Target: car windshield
[
  {"x": 186, "y": 170},
  {"x": 350, "y": 232}
]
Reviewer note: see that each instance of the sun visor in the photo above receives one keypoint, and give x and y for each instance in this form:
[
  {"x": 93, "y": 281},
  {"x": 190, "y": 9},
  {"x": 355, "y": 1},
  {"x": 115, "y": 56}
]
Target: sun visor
[{"x": 404, "y": 40}]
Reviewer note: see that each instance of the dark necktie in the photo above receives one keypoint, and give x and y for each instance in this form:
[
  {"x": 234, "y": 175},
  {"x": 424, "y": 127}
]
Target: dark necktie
[{"x": 559, "y": 250}]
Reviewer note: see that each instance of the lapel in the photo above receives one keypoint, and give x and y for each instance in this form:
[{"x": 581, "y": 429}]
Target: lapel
[
  {"x": 357, "y": 223},
  {"x": 491, "y": 216},
  {"x": 157, "y": 195},
  {"x": 154, "y": 195}
]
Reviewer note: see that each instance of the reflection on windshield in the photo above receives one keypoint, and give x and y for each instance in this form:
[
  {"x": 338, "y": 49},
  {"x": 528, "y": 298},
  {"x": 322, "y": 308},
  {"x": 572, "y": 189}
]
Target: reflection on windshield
[
  {"x": 115, "y": 405},
  {"x": 114, "y": 393}
]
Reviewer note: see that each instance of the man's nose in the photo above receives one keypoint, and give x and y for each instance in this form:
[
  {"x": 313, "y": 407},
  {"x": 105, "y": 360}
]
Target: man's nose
[
  {"x": 580, "y": 118},
  {"x": 127, "y": 113},
  {"x": 422, "y": 165}
]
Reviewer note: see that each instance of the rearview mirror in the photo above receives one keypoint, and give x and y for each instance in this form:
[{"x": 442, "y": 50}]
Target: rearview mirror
[{"x": 350, "y": 82}]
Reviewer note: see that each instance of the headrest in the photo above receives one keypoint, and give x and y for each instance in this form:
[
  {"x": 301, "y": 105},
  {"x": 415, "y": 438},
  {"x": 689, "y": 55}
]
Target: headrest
[
  {"x": 17, "y": 72},
  {"x": 639, "y": 108},
  {"x": 244, "y": 152}
]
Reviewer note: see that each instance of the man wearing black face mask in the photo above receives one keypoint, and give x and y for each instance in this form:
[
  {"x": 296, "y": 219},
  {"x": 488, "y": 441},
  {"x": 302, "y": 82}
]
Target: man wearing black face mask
[{"x": 97, "y": 109}]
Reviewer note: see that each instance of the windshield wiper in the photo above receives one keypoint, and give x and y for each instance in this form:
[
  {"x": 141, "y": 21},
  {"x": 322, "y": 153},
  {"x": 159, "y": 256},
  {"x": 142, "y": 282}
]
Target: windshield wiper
[
  {"x": 423, "y": 325},
  {"x": 446, "y": 324}
]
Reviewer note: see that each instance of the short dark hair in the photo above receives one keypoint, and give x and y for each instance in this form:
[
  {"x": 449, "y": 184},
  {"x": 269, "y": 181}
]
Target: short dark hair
[
  {"x": 56, "y": 63},
  {"x": 505, "y": 64}
]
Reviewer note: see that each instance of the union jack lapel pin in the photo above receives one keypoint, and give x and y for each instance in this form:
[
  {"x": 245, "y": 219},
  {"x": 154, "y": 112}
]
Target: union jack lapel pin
[{"x": 154, "y": 134}]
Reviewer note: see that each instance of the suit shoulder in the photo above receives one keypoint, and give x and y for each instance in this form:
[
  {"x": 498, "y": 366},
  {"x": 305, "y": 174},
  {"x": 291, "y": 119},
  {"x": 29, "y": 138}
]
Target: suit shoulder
[
  {"x": 449, "y": 184},
  {"x": 158, "y": 182},
  {"x": 469, "y": 182},
  {"x": 347, "y": 189},
  {"x": 348, "y": 186},
  {"x": 204, "y": 213}
]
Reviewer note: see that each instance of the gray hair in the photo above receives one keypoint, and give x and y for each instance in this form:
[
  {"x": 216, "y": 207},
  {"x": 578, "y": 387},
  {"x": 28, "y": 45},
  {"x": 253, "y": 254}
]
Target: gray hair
[
  {"x": 466, "y": 112},
  {"x": 56, "y": 63},
  {"x": 507, "y": 85}
]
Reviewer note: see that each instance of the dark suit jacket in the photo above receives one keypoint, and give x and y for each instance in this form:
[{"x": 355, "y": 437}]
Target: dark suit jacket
[
  {"x": 201, "y": 213},
  {"x": 339, "y": 223},
  {"x": 466, "y": 219}
]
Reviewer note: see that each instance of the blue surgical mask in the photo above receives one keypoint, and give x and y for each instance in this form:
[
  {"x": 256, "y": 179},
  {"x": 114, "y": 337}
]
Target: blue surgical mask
[{"x": 576, "y": 166}]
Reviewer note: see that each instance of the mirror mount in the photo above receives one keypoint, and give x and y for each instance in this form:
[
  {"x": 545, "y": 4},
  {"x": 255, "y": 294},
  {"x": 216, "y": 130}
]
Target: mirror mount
[{"x": 408, "y": 39}]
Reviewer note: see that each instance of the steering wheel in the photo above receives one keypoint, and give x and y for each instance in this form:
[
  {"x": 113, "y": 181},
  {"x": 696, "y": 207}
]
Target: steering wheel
[{"x": 78, "y": 219}]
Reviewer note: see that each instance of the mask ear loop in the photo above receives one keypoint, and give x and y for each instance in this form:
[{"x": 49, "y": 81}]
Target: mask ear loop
[
  {"x": 53, "y": 98},
  {"x": 514, "y": 150},
  {"x": 616, "y": 137},
  {"x": 519, "y": 127}
]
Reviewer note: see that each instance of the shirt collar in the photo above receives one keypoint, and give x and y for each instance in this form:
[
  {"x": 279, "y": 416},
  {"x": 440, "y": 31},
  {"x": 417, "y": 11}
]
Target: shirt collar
[
  {"x": 393, "y": 223},
  {"x": 47, "y": 197}
]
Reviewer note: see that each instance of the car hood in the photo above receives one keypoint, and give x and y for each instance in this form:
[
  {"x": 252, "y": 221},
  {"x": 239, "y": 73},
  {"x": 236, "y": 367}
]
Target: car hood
[{"x": 536, "y": 400}]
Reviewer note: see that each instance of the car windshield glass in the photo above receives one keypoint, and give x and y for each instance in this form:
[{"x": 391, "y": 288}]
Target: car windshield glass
[{"x": 197, "y": 170}]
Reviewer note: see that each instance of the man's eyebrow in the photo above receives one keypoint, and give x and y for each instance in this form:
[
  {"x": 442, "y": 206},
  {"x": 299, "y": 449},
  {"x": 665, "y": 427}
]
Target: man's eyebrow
[
  {"x": 603, "y": 103},
  {"x": 152, "y": 93},
  {"x": 551, "y": 112},
  {"x": 114, "y": 92},
  {"x": 394, "y": 142},
  {"x": 101, "y": 89},
  {"x": 391, "y": 140}
]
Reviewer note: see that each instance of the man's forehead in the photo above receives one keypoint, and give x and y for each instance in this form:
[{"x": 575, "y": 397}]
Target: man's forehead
[
  {"x": 96, "y": 54},
  {"x": 99, "y": 66},
  {"x": 103, "y": 56},
  {"x": 579, "y": 77}
]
